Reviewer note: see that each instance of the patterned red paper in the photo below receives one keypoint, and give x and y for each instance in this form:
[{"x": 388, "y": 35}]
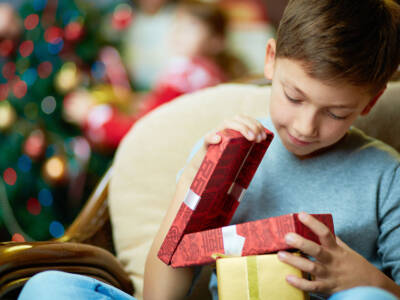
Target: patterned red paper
[
  {"x": 215, "y": 193},
  {"x": 250, "y": 238}
]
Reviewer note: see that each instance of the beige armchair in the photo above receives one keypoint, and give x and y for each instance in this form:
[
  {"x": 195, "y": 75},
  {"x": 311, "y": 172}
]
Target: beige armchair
[{"x": 141, "y": 184}]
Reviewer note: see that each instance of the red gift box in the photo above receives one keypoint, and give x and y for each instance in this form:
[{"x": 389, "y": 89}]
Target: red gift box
[
  {"x": 215, "y": 193},
  {"x": 250, "y": 238}
]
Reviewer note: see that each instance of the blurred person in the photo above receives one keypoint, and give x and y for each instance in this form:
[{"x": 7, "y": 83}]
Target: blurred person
[
  {"x": 146, "y": 40},
  {"x": 199, "y": 57}
]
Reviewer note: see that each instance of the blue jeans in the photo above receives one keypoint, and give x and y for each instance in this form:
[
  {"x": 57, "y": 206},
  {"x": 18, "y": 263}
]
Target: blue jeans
[
  {"x": 58, "y": 285},
  {"x": 363, "y": 293},
  {"x": 50, "y": 285}
]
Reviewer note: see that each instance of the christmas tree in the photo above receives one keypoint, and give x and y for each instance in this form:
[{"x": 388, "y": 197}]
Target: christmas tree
[{"x": 47, "y": 165}]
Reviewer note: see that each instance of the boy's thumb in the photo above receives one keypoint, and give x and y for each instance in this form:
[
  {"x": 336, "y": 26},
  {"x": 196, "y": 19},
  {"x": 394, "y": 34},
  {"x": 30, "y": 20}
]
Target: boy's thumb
[{"x": 212, "y": 139}]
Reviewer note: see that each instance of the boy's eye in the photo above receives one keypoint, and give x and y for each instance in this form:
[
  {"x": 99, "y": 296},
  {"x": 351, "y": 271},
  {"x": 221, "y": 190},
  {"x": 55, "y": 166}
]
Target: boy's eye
[
  {"x": 292, "y": 99},
  {"x": 336, "y": 117}
]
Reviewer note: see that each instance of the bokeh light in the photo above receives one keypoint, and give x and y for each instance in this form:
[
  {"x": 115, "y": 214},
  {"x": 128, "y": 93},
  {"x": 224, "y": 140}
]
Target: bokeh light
[
  {"x": 98, "y": 70},
  {"x": 53, "y": 35},
  {"x": 24, "y": 163},
  {"x": 29, "y": 76},
  {"x": 122, "y": 16},
  {"x": 73, "y": 31},
  {"x": 81, "y": 148},
  {"x": 4, "y": 89},
  {"x": 6, "y": 47},
  {"x": 45, "y": 69},
  {"x": 7, "y": 115},
  {"x": 10, "y": 176},
  {"x": 55, "y": 168},
  {"x": 34, "y": 145},
  {"x": 33, "y": 206},
  {"x": 26, "y": 48},
  {"x": 20, "y": 88},
  {"x": 39, "y": 5},
  {"x": 17, "y": 237},
  {"x": 48, "y": 105},
  {"x": 55, "y": 48},
  {"x": 8, "y": 70},
  {"x": 22, "y": 64},
  {"x": 31, "y": 21},
  {"x": 45, "y": 197},
  {"x": 56, "y": 229}
]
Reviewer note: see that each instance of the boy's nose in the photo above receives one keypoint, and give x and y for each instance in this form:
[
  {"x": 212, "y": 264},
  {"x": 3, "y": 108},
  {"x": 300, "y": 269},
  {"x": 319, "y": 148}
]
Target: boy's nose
[{"x": 305, "y": 124}]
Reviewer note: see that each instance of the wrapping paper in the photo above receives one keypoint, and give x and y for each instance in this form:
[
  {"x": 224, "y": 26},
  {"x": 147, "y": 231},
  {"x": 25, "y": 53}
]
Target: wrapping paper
[
  {"x": 218, "y": 187},
  {"x": 260, "y": 277},
  {"x": 250, "y": 238}
]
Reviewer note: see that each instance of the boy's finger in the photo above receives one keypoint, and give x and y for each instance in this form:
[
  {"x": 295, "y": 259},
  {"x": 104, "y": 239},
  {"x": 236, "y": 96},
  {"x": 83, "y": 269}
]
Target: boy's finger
[
  {"x": 212, "y": 138},
  {"x": 246, "y": 131},
  {"x": 301, "y": 263},
  {"x": 306, "y": 246},
  {"x": 324, "y": 234},
  {"x": 260, "y": 127},
  {"x": 306, "y": 285},
  {"x": 253, "y": 125}
]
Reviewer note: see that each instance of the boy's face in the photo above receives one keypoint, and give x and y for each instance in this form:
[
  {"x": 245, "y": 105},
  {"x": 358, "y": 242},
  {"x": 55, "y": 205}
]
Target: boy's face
[{"x": 308, "y": 114}]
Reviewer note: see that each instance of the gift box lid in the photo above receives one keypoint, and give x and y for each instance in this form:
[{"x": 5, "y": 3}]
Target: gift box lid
[
  {"x": 249, "y": 238},
  {"x": 215, "y": 193}
]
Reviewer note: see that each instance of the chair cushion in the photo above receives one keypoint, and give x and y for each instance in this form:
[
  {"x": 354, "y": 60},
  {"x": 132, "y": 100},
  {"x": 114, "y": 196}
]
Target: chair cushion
[
  {"x": 156, "y": 148},
  {"x": 383, "y": 122}
]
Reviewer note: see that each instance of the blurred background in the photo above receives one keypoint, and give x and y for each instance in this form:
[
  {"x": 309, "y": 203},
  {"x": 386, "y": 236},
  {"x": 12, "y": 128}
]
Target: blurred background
[{"x": 75, "y": 76}]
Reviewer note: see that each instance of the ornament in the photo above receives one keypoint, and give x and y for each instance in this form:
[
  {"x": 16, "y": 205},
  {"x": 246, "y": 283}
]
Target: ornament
[
  {"x": 31, "y": 21},
  {"x": 35, "y": 144},
  {"x": 7, "y": 115},
  {"x": 122, "y": 16},
  {"x": 10, "y": 176},
  {"x": 55, "y": 170},
  {"x": 68, "y": 77},
  {"x": 106, "y": 126},
  {"x": 45, "y": 69},
  {"x": 76, "y": 106},
  {"x": 73, "y": 31},
  {"x": 113, "y": 95}
]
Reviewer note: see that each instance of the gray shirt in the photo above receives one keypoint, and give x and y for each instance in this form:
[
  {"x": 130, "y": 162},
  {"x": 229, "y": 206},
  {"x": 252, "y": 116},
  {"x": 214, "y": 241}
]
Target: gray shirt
[{"x": 357, "y": 181}]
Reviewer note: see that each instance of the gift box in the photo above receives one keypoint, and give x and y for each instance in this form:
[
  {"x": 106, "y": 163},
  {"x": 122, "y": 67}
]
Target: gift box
[
  {"x": 260, "y": 277},
  {"x": 215, "y": 193},
  {"x": 250, "y": 238}
]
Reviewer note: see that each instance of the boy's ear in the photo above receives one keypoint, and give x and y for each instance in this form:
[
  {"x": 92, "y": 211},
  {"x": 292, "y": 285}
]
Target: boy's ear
[
  {"x": 371, "y": 103},
  {"x": 270, "y": 59}
]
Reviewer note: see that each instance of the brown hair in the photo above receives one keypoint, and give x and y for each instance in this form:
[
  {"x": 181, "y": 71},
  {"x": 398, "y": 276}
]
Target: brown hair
[
  {"x": 351, "y": 41},
  {"x": 213, "y": 16},
  {"x": 209, "y": 13}
]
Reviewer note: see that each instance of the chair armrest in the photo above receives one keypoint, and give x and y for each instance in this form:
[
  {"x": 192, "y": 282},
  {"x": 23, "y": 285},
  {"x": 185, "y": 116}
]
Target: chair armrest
[
  {"x": 20, "y": 261},
  {"x": 92, "y": 225}
]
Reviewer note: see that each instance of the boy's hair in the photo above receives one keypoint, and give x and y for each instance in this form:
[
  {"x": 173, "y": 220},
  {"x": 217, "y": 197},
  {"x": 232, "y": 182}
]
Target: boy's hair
[{"x": 351, "y": 41}]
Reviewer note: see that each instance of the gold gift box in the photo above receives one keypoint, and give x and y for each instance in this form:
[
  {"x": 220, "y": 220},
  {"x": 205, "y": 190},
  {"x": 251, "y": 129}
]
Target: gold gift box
[{"x": 258, "y": 277}]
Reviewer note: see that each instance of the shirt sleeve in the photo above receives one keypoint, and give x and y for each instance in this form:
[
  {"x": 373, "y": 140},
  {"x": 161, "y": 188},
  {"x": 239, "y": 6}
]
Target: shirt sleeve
[{"x": 389, "y": 223}]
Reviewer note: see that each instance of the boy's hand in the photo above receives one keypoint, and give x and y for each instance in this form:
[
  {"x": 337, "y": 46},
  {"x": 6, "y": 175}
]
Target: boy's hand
[
  {"x": 336, "y": 266},
  {"x": 247, "y": 126}
]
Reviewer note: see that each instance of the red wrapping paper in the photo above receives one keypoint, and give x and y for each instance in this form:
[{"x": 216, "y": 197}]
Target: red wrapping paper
[
  {"x": 215, "y": 193},
  {"x": 250, "y": 238}
]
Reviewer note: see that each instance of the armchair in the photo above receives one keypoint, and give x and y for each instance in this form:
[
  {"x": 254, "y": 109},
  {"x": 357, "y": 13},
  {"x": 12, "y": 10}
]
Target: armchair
[{"x": 133, "y": 196}]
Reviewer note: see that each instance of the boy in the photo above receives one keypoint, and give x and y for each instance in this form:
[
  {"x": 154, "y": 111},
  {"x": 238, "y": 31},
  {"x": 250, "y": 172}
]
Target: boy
[{"x": 330, "y": 64}]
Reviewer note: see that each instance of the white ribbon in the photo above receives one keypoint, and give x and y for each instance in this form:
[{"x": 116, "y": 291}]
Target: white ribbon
[
  {"x": 191, "y": 199},
  {"x": 233, "y": 243}
]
